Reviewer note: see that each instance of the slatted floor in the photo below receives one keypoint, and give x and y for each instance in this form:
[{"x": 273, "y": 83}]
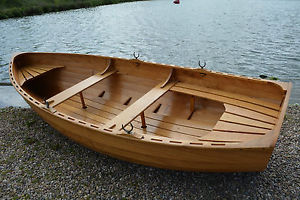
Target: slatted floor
[
  {"x": 29, "y": 72},
  {"x": 243, "y": 119}
]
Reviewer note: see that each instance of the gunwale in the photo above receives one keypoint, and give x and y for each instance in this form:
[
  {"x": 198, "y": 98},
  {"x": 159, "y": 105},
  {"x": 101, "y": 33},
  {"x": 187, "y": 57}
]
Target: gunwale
[{"x": 158, "y": 139}]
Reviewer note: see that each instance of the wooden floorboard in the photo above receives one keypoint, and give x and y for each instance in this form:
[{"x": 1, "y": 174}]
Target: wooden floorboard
[
  {"x": 250, "y": 106},
  {"x": 151, "y": 123},
  {"x": 131, "y": 112},
  {"x": 114, "y": 107},
  {"x": 228, "y": 117},
  {"x": 39, "y": 71},
  {"x": 82, "y": 112},
  {"x": 236, "y": 124},
  {"x": 31, "y": 72},
  {"x": 231, "y": 95},
  {"x": 249, "y": 114},
  {"x": 69, "y": 111},
  {"x": 92, "y": 116},
  {"x": 237, "y": 128}
]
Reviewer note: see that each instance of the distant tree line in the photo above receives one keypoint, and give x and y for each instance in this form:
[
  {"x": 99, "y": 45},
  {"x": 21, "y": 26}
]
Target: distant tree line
[{"x": 20, "y": 8}]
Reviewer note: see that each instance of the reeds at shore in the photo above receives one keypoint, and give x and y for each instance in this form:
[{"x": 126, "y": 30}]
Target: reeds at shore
[{"x": 20, "y": 8}]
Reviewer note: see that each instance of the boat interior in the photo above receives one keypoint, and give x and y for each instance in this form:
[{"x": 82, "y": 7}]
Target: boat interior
[{"x": 193, "y": 105}]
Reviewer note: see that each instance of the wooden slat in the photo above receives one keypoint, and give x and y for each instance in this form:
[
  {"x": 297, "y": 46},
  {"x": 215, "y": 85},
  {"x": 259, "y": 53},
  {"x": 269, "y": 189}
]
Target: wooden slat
[
  {"x": 230, "y": 95},
  {"x": 70, "y": 111},
  {"x": 227, "y": 100},
  {"x": 82, "y": 112},
  {"x": 40, "y": 71},
  {"x": 175, "y": 128},
  {"x": 93, "y": 115},
  {"x": 228, "y": 117},
  {"x": 172, "y": 124},
  {"x": 26, "y": 74},
  {"x": 103, "y": 107},
  {"x": 113, "y": 107},
  {"x": 31, "y": 72},
  {"x": 229, "y": 136},
  {"x": 154, "y": 130},
  {"x": 161, "y": 128},
  {"x": 231, "y": 127},
  {"x": 21, "y": 78},
  {"x": 249, "y": 114},
  {"x": 139, "y": 106},
  {"x": 106, "y": 115},
  {"x": 46, "y": 67},
  {"x": 64, "y": 95}
]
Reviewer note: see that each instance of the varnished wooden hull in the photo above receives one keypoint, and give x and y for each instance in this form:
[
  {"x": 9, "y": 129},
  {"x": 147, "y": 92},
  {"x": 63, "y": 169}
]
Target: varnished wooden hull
[{"x": 166, "y": 142}]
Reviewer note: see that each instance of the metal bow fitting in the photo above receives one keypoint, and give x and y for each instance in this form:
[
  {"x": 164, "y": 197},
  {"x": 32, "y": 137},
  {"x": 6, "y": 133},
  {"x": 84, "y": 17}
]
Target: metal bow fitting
[
  {"x": 136, "y": 56},
  {"x": 127, "y": 131},
  {"x": 46, "y": 103},
  {"x": 202, "y": 66}
]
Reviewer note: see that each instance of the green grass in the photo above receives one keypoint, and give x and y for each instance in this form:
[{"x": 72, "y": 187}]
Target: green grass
[{"x": 20, "y": 8}]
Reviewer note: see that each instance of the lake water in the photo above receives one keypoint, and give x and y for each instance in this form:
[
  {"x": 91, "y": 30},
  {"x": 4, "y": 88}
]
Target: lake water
[{"x": 249, "y": 38}]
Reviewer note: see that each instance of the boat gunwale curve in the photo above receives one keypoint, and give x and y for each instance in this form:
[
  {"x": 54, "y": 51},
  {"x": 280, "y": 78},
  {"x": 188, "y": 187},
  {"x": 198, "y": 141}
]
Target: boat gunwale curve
[{"x": 146, "y": 138}]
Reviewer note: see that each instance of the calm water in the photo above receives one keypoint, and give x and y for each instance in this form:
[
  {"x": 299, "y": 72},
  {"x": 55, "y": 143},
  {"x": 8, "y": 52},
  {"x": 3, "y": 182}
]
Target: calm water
[{"x": 250, "y": 37}]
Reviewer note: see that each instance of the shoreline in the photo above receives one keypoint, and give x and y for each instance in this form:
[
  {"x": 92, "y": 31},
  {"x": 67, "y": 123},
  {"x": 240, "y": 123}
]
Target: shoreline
[
  {"x": 10, "y": 97},
  {"x": 46, "y": 7},
  {"x": 39, "y": 162}
]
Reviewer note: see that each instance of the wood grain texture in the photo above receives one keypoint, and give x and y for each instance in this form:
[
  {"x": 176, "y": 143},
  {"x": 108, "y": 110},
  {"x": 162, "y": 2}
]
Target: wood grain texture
[
  {"x": 57, "y": 99},
  {"x": 250, "y": 106},
  {"x": 195, "y": 120},
  {"x": 128, "y": 115}
]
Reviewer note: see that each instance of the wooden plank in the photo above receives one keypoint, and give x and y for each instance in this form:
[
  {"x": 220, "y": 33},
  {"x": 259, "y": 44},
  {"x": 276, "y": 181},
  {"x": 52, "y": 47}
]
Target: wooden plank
[
  {"x": 139, "y": 106},
  {"x": 231, "y": 95},
  {"x": 46, "y": 67},
  {"x": 229, "y": 136},
  {"x": 39, "y": 71},
  {"x": 82, "y": 112},
  {"x": 31, "y": 72},
  {"x": 70, "y": 111},
  {"x": 249, "y": 114},
  {"x": 228, "y": 117},
  {"x": 153, "y": 128},
  {"x": 116, "y": 108},
  {"x": 21, "y": 77},
  {"x": 250, "y": 106},
  {"x": 26, "y": 74},
  {"x": 64, "y": 95},
  {"x": 159, "y": 131},
  {"x": 91, "y": 109},
  {"x": 164, "y": 122},
  {"x": 188, "y": 131},
  {"x": 232, "y": 127}
]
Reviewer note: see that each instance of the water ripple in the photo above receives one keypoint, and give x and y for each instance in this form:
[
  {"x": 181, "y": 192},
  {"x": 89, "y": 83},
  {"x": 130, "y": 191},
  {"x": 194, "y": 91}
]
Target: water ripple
[{"x": 242, "y": 37}]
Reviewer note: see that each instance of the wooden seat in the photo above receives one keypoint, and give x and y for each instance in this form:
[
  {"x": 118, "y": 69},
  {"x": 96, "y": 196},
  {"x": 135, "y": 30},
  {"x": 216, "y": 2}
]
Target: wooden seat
[
  {"x": 79, "y": 87},
  {"x": 129, "y": 114}
]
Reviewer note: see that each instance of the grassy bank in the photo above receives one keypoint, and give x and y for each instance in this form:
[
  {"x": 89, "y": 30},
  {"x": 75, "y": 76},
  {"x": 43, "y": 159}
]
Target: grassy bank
[{"x": 20, "y": 8}]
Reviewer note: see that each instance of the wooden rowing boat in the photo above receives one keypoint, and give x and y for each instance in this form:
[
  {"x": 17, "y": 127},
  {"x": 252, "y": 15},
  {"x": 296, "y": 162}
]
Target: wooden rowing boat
[{"x": 154, "y": 114}]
